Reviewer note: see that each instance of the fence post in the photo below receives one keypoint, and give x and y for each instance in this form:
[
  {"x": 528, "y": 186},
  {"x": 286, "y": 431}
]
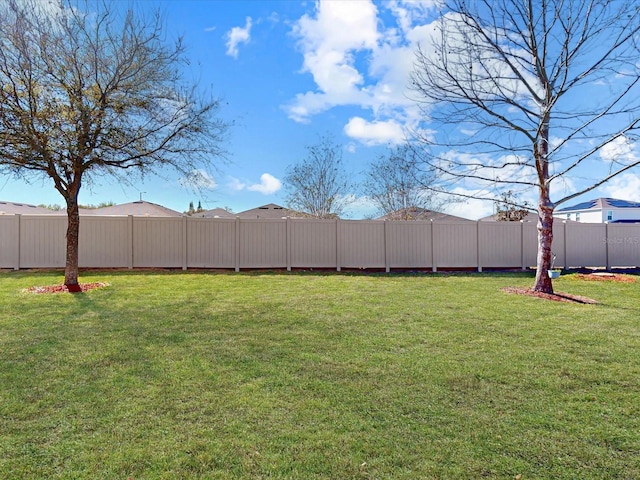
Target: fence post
[
  {"x": 566, "y": 241},
  {"x": 130, "y": 241},
  {"x": 16, "y": 252},
  {"x": 434, "y": 268},
  {"x": 185, "y": 252},
  {"x": 606, "y": 244},
  {"x": 338, "y": 259},
  {"x": 478, "y": 246},
  {"x": 237, "y": 245},
  {"x": 288, "y": 244},
  {"x": 522, "y": 245},
  {"x": 387, "y": 267}
]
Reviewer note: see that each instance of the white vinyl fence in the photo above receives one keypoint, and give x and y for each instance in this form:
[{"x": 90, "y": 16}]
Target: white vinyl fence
[{"x": 38, "y": 241}]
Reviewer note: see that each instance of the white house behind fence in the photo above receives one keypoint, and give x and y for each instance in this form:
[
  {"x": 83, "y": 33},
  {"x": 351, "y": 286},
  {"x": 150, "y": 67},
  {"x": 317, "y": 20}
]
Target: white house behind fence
[{"x": 601, "y": 210}]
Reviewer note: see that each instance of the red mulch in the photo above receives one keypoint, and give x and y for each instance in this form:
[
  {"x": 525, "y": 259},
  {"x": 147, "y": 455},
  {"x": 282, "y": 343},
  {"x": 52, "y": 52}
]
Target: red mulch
[
  {"x": 607, "y": 277},
  {"x": 84, "y": 287},
  {"x": 567, "y": 297},
  {"x": 557, "y": 296}
]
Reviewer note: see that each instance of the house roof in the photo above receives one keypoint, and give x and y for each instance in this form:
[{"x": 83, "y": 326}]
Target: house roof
[
  {"x": 600, "y": 204},
  {"x": 271, "y": 210},
  {"x": 137, "y": 209},
  {"x": 14, "y": 208},
  {"x": 214, "y": 213},
  {"x": 417, "y": 213}
]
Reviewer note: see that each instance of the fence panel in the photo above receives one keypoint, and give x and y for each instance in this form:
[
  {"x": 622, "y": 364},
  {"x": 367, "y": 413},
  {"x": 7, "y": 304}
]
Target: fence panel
[
  {"x": 585, "y": 246},
  {"x": 559, "y": 244},
  {"x": 9, "y": 241},
  {"x": 211, "y": 244},
  {"x": 361, "y": 244},
  {"x": 500, "y": 244},
  {"x": 263, "y": 243},
  {"x": 104, "y": 242},
  {"x": 38, "y": 241},
  {"x": 313, "y": 243},
  {"x": 43, "y": 241},
  {"x": 408, "y": 244},
  {"x": 623, "y": 244},
  {"x": 530, "y": 244},
  {"x": 158, "y": 242},
  {"x": 455, "y": 245}
]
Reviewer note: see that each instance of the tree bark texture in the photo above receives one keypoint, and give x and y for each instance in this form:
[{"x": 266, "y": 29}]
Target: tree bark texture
[
  {"x": 73, "y": 235},
  {"x": 545, "y": 239}
]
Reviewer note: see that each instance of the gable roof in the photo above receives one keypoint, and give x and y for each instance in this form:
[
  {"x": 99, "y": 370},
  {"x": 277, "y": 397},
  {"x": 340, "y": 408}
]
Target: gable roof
[
  {"x": 600, "y": 204},
  {"x": 417, "y": 213},
  {"x": 137, "y": 209},
  {"x": 15, "y": 208},
  {"x": 214, "y": 213},
  {"x": 271, "y": 210}
]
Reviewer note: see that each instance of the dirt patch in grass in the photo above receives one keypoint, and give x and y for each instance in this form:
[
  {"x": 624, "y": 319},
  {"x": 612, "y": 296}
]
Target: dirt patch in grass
[
  {"x": 556, "y": 297},
  {"x": 84, "y": 287}
]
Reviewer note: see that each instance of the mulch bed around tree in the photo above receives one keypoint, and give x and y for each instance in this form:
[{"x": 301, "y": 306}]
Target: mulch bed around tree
[
  {"x": 84, "y": 287},
  {"x": 567, "y": 297},
  {"x": 606, "y": 277},
  {"x": 557, "y": 296}
]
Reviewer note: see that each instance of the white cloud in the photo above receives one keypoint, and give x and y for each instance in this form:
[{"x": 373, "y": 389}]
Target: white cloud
[
  {"x": 198, "y": 179},
  {"x": 339, "y": 26},
  {"x": 329, "y": 41},
  {"x": 407, "y": 12},
  {"x": 555, "y": 142},
  {"x": 236, "y": 185},
  {"x": 470, "y": 208},
  {"x": 360, "y": 54},
  {"x": 376, "y": 132},
  {"x": 481, "y": 171},
  {"x": 359, "y": 207},
  {"x": 562, "y": 186},
  {"x": 620, "y": 150},
  {"x": 268, "y": 185},
  {"x": 236, "y": 36},
  {"x": 357, "y": 60},
  {"x": 625, "y": 187}
]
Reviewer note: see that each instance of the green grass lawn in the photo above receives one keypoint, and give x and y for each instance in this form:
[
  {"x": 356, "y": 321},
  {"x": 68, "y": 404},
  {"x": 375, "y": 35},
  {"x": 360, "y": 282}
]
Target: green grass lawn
[{"x": 173, "y": 375}]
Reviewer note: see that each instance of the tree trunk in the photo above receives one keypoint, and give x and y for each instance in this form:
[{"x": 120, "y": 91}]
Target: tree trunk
[
  {"x": 545, "y": 207},
  {"x": 73, "y": 235},
  {"x": 545, "y": 238}
]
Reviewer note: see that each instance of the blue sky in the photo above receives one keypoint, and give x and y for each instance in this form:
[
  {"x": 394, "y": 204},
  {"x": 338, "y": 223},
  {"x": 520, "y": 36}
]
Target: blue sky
[{"x": 288, "y": 72}]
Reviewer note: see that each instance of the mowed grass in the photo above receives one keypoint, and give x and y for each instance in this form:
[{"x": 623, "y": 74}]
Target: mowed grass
[{"x": 173, "y": 375}]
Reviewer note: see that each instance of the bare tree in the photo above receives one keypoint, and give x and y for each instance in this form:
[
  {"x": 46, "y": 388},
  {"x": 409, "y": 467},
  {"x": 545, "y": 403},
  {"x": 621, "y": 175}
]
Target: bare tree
[
  {"x": 319, "y": 185},
  {"x": 397, "y": 186},
  {"x": 527, "y": 93},
  {"x": 91, "y": 93},
  {"x": 511, "y": 209}
]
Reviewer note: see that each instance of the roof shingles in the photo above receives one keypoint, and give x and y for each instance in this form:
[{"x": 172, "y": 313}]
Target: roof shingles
[{"x": 600, "y": 204}]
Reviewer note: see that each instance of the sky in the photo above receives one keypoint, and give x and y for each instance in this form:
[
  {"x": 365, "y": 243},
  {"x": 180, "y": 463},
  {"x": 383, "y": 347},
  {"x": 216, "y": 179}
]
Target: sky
[{"x": 289, "y": 72}]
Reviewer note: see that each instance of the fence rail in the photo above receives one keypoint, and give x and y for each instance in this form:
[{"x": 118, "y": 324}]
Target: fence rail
[{"x": 38, "y": 241}]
